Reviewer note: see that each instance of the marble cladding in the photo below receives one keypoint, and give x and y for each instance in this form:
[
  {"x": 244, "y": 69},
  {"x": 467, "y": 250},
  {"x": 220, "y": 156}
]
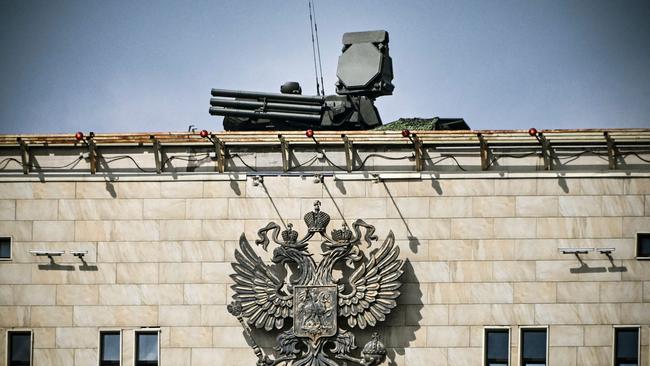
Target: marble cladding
[{"x": 481, "y": 252}]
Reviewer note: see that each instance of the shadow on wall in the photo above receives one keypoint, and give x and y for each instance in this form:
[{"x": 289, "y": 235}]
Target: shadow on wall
[{"x": 403, "y": 323}]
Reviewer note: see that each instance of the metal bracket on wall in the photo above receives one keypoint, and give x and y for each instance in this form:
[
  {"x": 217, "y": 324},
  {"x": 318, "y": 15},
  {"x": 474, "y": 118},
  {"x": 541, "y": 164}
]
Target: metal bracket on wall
[
  {"x": 485, "y": 152},
  {"x": 156, "y": 153},
  {"x": 92, "y": 153},
  {"x": 24, "y": 156},
  {"x": 546, "y": 151},
  {"x": 284, "y": 149},
  {"x": 220, "y": 153},
  {"x": 418, "y": 149},
  {"x": 347, "y": 145},
  {"x": 612, "y": 151}
]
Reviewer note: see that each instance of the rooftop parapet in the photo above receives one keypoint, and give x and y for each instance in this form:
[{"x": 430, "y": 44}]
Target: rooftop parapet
[{"x": 326, "y": 151}]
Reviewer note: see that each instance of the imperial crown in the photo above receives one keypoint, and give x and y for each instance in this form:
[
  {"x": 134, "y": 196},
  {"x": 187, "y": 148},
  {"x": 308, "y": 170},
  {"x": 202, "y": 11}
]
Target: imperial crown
[
  {"x": 290, "y": 236},
  {"x": 317, "y": 220},
  {"x": 342, "y": 235}
]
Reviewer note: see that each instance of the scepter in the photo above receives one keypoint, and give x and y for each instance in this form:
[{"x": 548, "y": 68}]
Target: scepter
[{"x": 235, "y": 309}]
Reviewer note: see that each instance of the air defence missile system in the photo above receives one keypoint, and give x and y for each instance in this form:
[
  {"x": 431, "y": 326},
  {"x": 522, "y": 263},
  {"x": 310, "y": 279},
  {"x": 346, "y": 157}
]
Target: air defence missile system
[{"x": 364, "y": 72}]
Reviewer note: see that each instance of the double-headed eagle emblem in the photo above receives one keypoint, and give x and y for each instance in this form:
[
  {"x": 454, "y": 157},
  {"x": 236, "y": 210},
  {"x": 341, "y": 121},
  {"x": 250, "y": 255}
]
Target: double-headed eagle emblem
[{"x": 315, "y": 311}]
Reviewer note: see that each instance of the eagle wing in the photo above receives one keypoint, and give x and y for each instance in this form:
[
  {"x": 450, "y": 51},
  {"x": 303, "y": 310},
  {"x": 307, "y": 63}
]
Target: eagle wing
[
  {"x": 259, "y": 290},
  {"x": 374, "y": 287}
]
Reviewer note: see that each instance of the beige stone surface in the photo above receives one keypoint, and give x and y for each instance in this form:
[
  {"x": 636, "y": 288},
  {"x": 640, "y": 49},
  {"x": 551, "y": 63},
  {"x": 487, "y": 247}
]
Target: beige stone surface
[
  {"x": 77, "y": 295},
  {"x": 164, "y": 208},
  {"x": 594, "y": 356},
  {"x": 475, "y": 228},
  {"x": 512, "y": 187},
  {"x": 115, "y": 316},
  {"x": 36, "y": 209},
  {"x": 140, "y": 294},
  {"x": 180, "y": 315},
  {"x": 493, "y": 206},
  {"x": 54, "y": 357},
  {"x": 578, "y": 292},
  {"x": 448, "y": 336},
  {"x": 139, "y": 252},
  {"x": 425, "y": 356},
  {"x": 175, "y": 356},
  {"x": 204, "y": 294},
  {"x": 51, "y": 316},
  {"x": 100, "y": 209},
  {"x": 53, "y": 230},
  {"x": 536, "y": 206},
  {"x": 180, "y": 229},
  {"x": 181, "y": 189},
  {"x": 77, "y": 337},
  {"x": 14, "y": 316},
  {"x": 137, "y": 273},
  {"x": 139, "y": 189},
  {"x": 534, "y": 292},
  {"x": 481, "y": 252},
  {"x": 464, "y": 356}
]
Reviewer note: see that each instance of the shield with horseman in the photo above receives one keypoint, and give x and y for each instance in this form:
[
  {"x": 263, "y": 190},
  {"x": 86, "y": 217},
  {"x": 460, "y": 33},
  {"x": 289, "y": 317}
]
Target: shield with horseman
[{"x": 315, "y": 311}]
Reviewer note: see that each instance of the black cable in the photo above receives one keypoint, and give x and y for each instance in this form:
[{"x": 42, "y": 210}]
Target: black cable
[
  {"x": 8, "y": 160},
  {"x": 308, "y": 162},
  {"x": 132, "y": 160},
  {"x": 188, "y": 158},
  {"x": 445, "y": 157},
  {"x": 363, "y": 162},
  {"x": 242, "y": 161},
  {"x": 519, "y": 156},
  {"x": 637, "y": 155}
]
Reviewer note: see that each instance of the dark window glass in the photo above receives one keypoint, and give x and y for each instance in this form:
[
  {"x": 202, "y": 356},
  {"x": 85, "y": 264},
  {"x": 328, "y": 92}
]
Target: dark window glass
[
  {"x": 497, "y": 345},
  {"x": 626, "y": 345},
  {"x": 109, "y": 344},
  {"x": 20, "y": 348},
  {"x": 146, "y": 345},
  {"x": 533, "y": 347},
  {"x": 5, "y": 248},
  {"x": 643, "y": 245}
]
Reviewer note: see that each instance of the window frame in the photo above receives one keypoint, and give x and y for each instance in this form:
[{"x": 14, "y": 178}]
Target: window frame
[
  {"x": 136, "y": 345},
  {"x": 11, "y": 248},
  {"x": 7, "y": 344},
  {"x": 520, "y": 349},
  {"x": 488, "y": 328},
  {"x": 637, "y": 245},
  {"x": 99, "y": 343},
  {"x": 638, "y": 342}
]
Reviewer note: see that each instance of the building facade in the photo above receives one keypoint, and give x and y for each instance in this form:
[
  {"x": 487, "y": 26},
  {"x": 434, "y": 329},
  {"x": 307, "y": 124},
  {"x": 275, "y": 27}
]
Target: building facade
[{"x": 519, "y": 249}]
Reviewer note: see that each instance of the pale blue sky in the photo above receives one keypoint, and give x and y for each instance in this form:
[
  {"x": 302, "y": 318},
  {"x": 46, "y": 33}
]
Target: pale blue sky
[{"x": 117, "y": 66}]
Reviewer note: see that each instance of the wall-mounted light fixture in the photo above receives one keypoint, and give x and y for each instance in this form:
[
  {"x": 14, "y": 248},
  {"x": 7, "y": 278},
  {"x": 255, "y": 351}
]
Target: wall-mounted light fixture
[
  {"x": 47, "y": 253},
  {"x": 257, "y": 180},
  {"x": 79, "y": 253},
  {"x": 606, "y": 251},
  {"x": 576, "y": 251}
]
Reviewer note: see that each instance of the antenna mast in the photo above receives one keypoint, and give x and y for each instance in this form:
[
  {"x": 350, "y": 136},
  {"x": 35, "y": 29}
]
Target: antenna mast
[
  {"x": 320, "y": 65},
  {"x": 313, "y": 47}
]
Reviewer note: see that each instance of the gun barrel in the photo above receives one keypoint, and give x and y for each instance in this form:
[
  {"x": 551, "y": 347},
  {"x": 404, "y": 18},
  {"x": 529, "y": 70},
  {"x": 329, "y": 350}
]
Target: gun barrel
[
  {"x": 296, "y": 98},
  {"x": 218, "y": 111},
  {"x": 265, "y": 106}
]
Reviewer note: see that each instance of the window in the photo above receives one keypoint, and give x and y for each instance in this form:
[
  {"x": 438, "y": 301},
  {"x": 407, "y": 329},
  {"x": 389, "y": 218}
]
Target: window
[
  {"x": 5, "y": 248},
  {"x": 533, "y": 349},
  {"x": 496, "y": 346},
  {"x": 626, "y": 346},
  {"x": 19, "y": 348},
  {"x": 146, "y": 348},
  {"x": 643, "y": 245},
  {"x": 109, "y": 348}
]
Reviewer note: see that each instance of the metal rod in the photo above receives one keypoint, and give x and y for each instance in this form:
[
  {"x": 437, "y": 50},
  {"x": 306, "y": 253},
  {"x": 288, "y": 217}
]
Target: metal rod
[
  {"x": 216, "y": 111},
  {"x": 251, "y": 104},
  {"x": 270, "y": 96}
]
